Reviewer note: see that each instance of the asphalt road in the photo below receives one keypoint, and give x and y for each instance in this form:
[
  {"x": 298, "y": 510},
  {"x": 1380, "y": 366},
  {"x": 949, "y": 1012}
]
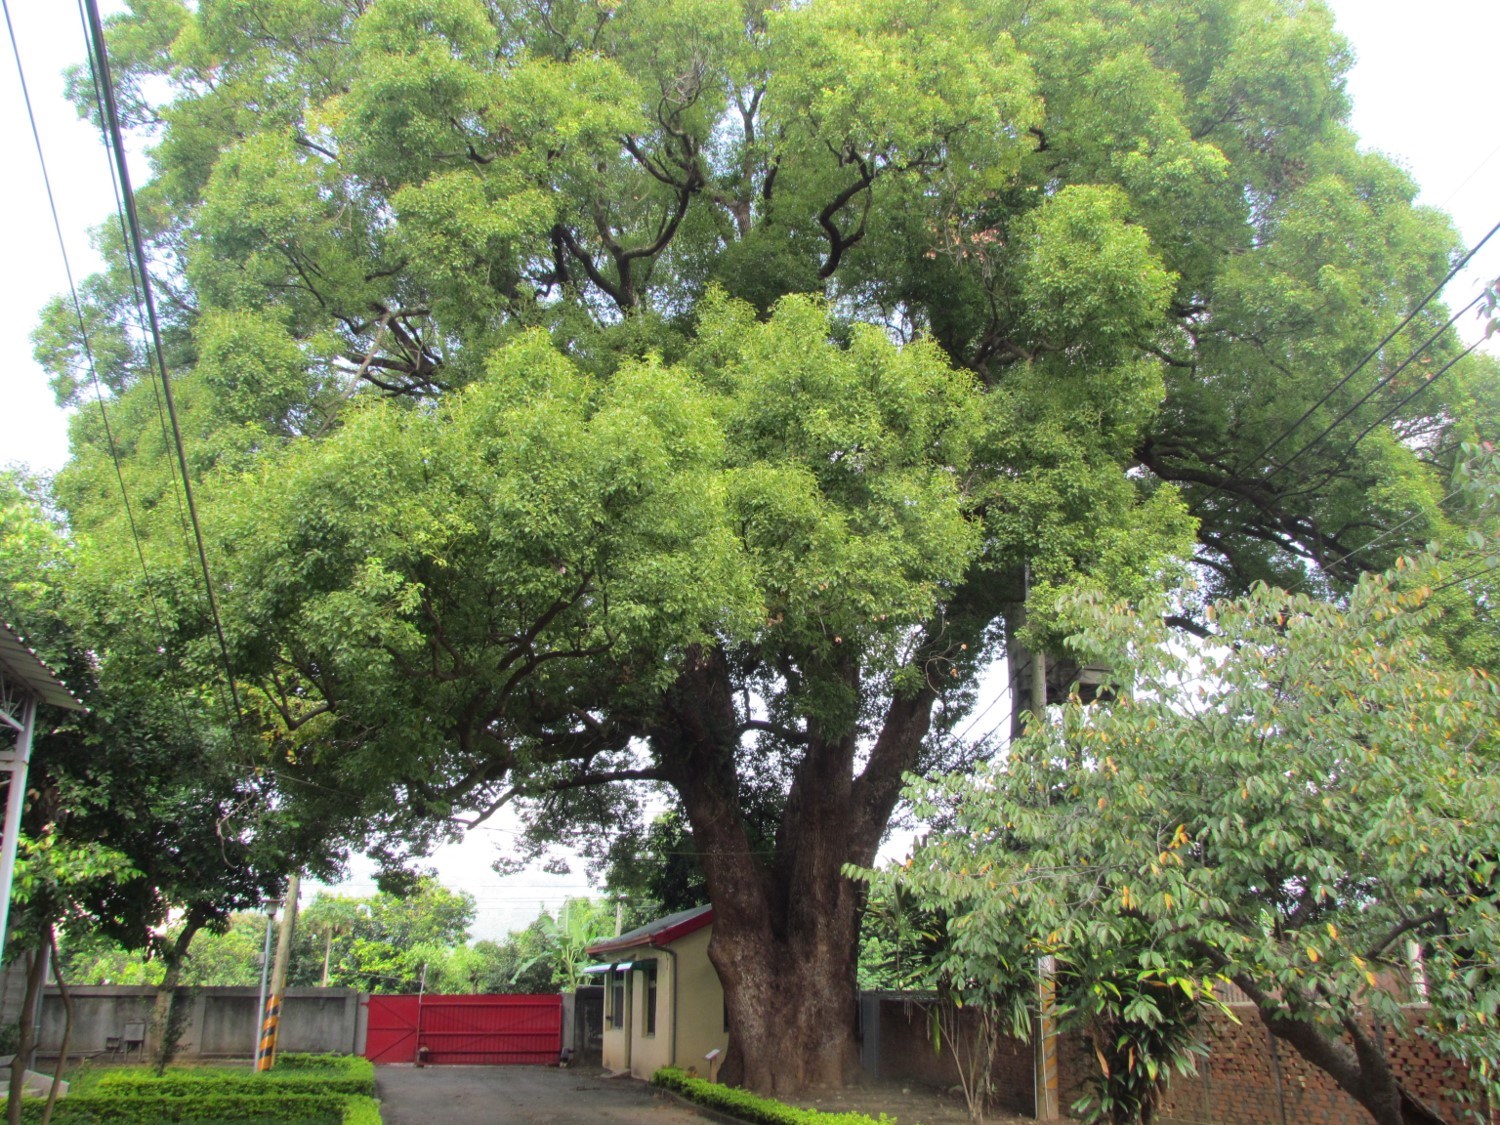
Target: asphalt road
[{"x": 492, "y": 1095}]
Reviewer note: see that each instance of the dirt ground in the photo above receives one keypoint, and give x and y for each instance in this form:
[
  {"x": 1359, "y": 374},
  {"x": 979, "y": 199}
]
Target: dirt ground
[{"x": 492, "y": 1095}]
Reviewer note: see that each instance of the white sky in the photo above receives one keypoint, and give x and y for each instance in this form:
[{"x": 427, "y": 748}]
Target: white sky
[{"x": 1423, "y": 90}]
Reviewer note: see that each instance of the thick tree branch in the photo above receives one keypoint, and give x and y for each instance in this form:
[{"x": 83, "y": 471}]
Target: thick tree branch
[
  {"x": 786, "y": 734},
  {"x": 612, "y": 291},
  {"x": 1400, "y": 929},
  {"x": 838, "y": 242}
]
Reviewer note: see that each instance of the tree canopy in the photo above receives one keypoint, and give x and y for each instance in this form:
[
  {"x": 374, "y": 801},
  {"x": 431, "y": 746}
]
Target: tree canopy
[{"x": 707, "y": 393}]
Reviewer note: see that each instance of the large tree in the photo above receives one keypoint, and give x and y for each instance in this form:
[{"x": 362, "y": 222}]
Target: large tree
[{"x": 706, "y": 393}]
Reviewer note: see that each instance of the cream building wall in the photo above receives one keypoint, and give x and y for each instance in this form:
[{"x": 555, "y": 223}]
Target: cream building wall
[{"x": 690, "y": 1002}]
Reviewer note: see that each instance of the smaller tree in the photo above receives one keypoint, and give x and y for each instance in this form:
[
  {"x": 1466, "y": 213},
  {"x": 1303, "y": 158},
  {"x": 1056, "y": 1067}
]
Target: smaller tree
[
  {"x": 395, "y": 942},
  {"x": 328, "y": 917},
  {"x": 1300, "y": 807}
]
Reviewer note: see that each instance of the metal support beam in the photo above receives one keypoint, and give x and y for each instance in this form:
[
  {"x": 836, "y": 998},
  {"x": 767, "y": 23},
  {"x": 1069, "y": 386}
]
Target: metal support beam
[{"x": 15, "y": 805}]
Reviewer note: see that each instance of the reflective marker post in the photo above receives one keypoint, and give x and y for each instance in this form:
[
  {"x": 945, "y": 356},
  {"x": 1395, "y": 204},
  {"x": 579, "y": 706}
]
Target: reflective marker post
[{"x": 265, "y": 1052}]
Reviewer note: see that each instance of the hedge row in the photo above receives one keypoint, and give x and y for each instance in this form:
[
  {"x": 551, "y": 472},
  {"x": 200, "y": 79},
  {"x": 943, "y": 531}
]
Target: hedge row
[
  {"x": 302, "y": 1090},
  {"x": 751, "y": 1107},
  {"x": 341, "y": 1066},
  {"x": 340, "y": 1075},
  {"x": 242, "y": 1109}
]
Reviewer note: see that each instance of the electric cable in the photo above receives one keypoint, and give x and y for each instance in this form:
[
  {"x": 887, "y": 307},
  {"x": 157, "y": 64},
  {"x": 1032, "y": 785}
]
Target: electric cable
[
  {"x": 130, "y": 271},
  {"x": 1443, "y": 206},
  {"x": 1480, "y": 573},
  {"x": 974, "y": 721},
  {"x": 1431, "y": 379},
  {"x": 117, "y": 146},
  {"x": 83, "y": 331},
  {"x": 1360, "y": 366},
  {"x": 1380, "y": 385},
  {"x": 1384, "y": 535}
]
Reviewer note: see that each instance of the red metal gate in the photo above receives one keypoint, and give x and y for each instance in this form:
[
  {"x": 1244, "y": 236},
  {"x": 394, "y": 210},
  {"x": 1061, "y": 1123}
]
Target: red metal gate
[{"x": 473, "y": 1030}]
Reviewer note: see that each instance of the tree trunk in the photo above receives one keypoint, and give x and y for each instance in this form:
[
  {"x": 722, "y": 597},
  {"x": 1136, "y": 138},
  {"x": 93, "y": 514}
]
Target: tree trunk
[
  {"x": 67, "y": 1036},
  {"x": 166, "y": 1015},
  {"x": 792, "y": 1006},
  {"x": 786, "y": 926},
  {"x": 1361, "y": 1067},
  {"x": 36, "y": 976}
]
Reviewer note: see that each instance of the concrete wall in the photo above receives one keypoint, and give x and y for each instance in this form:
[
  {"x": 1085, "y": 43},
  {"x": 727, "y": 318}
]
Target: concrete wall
[{"x": 222, "y": 1022}]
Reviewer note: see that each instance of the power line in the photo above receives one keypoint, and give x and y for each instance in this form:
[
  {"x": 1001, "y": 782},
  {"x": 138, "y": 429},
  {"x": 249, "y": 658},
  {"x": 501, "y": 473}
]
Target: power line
[
  {"x": 1433, "y": 378},
  {"x": 1443, "y": 206},
  {"x": 1360, "y": 366},
  {"x": 1480, "y": 573},
  {"x": 1380, "y": 385},
  {"x": 135, "y": 286},
  {"x": 1379, "y": 538},
  {"x": 83, "y": 331},
  {"x": 117, "y": 146}
]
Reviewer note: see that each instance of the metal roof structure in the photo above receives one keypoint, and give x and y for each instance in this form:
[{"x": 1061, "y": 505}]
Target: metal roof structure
[
  {"x": 25, "y": 683},
  {"x": 18, "y": 662},
  {"x": 661, "y": 932}
]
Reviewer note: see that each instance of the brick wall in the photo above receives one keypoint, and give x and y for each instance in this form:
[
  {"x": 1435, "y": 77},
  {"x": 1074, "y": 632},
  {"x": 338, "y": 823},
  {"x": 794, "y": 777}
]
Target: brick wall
[
  {"x": 1241, "y": 1082},
  {"x": 1238, "y": 1084}
]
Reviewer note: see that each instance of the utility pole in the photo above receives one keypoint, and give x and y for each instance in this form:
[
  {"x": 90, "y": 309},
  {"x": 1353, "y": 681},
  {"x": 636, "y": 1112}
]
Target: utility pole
[
  {"x": 265, "y": 1056},
  {"x": 265, "y": 974},
  {"x": 1046, "y": 1079}
]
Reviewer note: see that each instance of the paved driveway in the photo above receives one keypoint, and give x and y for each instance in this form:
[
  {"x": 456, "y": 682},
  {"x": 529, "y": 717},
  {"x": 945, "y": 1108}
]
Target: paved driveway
[{"x": 491, "y": 1095}]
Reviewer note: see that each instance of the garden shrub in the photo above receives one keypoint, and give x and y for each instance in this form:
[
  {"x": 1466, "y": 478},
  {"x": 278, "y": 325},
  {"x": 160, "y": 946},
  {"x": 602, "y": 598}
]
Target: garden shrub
[
  {"x": 301, "y": 1090},
  {"x": 238, "y": 1109},
  {"x": 361, "y": 1111},
  {"x": 353, "y": 1066},
  {"x": 324, "y": 1074},
  {"x": 752, "y": 1107}
]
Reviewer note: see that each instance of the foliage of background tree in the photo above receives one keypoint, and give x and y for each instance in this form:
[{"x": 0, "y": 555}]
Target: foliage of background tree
[
  {"x": 384, "y": 943},
  {"x": 147, "y": 775},
  {"x": 529, "y": 473},
  {"x": 1292, "y": 808}
]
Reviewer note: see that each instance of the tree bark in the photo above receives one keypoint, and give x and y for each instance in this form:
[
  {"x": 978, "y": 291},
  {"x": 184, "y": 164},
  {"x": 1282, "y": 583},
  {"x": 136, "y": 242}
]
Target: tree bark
[
  {"x": 67, "y": 1037},
  {"x": 36, "y": 977},
  {"x": 786, "y": 925},
  {"x": 166, "y": 1019},
  {"x": 1360, "y": 1067}
]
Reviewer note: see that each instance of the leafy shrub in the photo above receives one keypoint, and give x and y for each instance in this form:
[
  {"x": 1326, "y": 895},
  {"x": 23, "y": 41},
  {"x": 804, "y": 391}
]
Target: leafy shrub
[
  {"x": 303, "y": 1089},
  {"x": 361, "y": 1111},
  {"x": 239, "y": 1109},
  {"x": 323, "y": 1074},
  {"x": 751, "y": 1107},
  {"x": 351, "y": 1065}
]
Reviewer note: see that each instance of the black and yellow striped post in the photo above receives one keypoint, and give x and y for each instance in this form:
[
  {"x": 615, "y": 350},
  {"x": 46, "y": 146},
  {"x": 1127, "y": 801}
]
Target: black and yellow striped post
[
  {"x": 265, "y": 1050},
  {"x": 265, "y": 1053}
]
